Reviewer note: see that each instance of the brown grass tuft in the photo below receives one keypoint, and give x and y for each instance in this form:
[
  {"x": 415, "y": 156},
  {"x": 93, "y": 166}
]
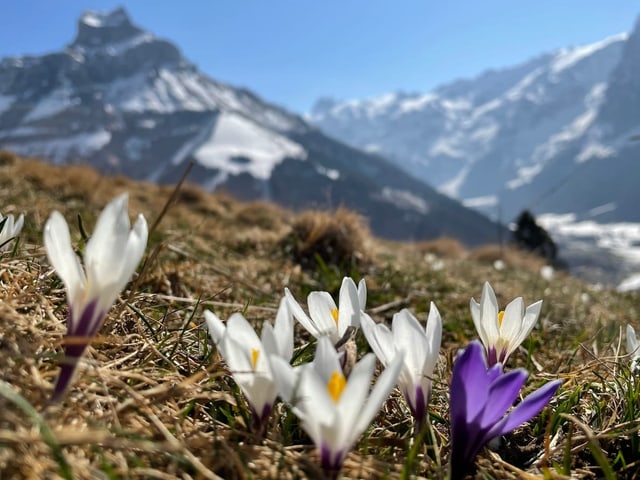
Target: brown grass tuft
[
  {"x": 334, "y": 238},
  {"x": 444, "y": 247}
]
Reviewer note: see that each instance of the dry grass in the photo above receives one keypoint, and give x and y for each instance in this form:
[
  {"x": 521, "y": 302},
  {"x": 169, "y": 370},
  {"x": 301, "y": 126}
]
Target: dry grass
[
  {"x": 152, "y": 400},
  {"x": 339, "y": 239}
]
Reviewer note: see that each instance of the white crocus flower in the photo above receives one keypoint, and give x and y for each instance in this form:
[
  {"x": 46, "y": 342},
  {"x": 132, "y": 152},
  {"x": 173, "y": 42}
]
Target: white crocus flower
[
  {"x": 420, "y": 347},
  {"x": 633, "y": 349},
  {"x": 9, "y": 229},
  {"x": 111, "y": 256},
  {"x": 502, "y": 331},
  {"x": 325, "y": 318},
  {"x": 334, "y": 411},
  {"x": 247, "y": 356}
]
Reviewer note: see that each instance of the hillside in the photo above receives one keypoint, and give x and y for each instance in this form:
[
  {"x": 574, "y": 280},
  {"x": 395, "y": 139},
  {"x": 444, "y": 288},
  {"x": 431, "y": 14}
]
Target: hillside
[{"x": 152, "y": 399}]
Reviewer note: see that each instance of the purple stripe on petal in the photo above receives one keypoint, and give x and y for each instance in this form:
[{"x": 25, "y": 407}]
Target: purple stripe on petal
[
  {"x": 89, "y": 322},
  {"x": 492, "y": 357},
  {"x": 331, "y": 462},
  {"x": 260, "y": 420},
  {"x": 72, "y": 354},
  {"x": 419, "y": 410}
]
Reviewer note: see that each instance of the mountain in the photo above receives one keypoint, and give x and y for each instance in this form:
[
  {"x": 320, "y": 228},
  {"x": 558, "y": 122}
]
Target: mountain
[
  {"x": 128, "y": 102},
  {"x": 551, "y": 134}
]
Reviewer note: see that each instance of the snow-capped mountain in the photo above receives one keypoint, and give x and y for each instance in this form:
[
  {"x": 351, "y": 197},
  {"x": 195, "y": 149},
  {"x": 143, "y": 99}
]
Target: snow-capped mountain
[
  {"x": 126, "y": 101},
  {"x": 552, "y": 134}
]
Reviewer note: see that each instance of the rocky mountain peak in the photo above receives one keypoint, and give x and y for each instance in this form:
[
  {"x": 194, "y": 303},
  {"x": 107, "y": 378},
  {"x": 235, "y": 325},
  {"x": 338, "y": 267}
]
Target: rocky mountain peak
[{"x": 97, "y": 29}]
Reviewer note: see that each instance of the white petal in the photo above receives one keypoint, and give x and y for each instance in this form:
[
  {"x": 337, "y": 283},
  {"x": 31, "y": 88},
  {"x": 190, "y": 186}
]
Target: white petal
[
  {"x": 238, "y": 358},
  {"x": 326, "y": 360},
  {"x": 285, "y": 377},
  {"x": 409, "y": 337},
  {"x": 362, "y": 294},
  {"x": 299, "y": 314},
  {"x": 356, "y": 391},
  {"x": 321, "y": 306},
  {"x": 489, "y": 314},
  {"x": 349, "y": 306},
  {"x": 379, "y": 394},
  {"x": 379, "y": 337},
  {"x": 241, "y": 331},
  {"x": 57, "y": 242},
  {"x": 17, "y": 227},
  {"x": 215, "y": 326},
  {"x": 434, "y": 337},
  {"x": 529, "y": 321},
  {"x": 105, "y": 250},
  {"x": 474, "y": 307},
  {"x": 283, "y": 329},
  {"x": 512, "y": 320}
]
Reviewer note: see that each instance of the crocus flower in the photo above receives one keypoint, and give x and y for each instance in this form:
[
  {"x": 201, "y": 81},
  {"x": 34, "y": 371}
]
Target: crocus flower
[
  {"x": 334, "y": 411},
  {"x": 420, "y": 347},
  {"x": 247, "y": 356},
  {"x": 325, "y": 318},
  {"x": 502, "y": 331},
  {"x": 633, "y": 349},
  {"x": 480, "y": 398},
  {"x": 110, "y": 258},
  {"x": 9, "y": 229}
]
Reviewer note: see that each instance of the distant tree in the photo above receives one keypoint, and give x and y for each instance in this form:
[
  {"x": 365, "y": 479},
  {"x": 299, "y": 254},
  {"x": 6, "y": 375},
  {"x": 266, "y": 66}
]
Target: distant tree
[{"x": 531, "y": 236}]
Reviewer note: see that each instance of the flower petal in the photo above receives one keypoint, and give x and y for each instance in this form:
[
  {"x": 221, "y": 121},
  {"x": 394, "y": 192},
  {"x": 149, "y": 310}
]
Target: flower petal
[
  {"x": 489, "y": 314},
  {"x": 57, "y": 242},
  {"x": 283, "y": 329},
  {"x": 529, "y": 321},
  {"x": 502, "y": 394},
  {"x": 525, "y": 410},
  {"x": 299, "y": 314},
  {"x": 326, "y": 360},
  {"x": 349, "y": 306},
  {"x": 379, "y": 394},
  {"x": 469, "y": 384},
  {"x": 379, "y": 337},
  {"x": 215, "y": 326},
  {"x": 433, "y": 331},
  {"x": 362, "y": 294},
  {"x": 409, "y": 337},
  {"x": 356, "y": 391},
  {"x": 321, "y": 308}
]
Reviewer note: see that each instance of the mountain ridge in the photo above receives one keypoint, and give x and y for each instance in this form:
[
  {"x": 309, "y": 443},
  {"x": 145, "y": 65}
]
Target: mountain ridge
[
  {"x": 489, "y": 140},
  {"x": 126, "y": 101}
]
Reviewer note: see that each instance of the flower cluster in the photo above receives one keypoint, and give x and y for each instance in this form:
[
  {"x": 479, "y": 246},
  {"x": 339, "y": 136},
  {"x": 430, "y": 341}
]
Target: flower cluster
[{"x": 334, "y": 402}]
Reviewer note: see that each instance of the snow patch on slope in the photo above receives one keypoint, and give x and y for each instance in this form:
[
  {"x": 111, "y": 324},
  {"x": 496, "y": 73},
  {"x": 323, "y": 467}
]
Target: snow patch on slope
[
  {"x": 237, "y": 145},
  {"x": 58, "y": 149},
  {"x": 55, "y": 102},
  {"x": 567, "y": 57}
]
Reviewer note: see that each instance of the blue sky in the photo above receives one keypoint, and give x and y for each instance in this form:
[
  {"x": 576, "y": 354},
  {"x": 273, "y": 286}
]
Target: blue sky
[{"x": 291, "y": 52}]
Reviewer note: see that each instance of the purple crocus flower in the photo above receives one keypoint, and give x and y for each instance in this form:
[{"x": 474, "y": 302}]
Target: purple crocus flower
[{"x": 480, "y": 398}]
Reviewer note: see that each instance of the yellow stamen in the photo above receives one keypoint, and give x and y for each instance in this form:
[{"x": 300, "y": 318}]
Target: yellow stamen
[
  {"x": 334, "y": 314},
  {"x": 500, "y": 317},
  {"x": 254, "y": 357},
  {"x": 336, "y": 385}
]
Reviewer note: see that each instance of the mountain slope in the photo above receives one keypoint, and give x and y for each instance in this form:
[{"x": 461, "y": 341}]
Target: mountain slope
[
  {"x": 126, "y": 101},
  {"x": 510, "y": 137}
]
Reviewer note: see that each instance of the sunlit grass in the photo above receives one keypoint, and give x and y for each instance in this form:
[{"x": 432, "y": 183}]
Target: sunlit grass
[{"x": 153, "y": 399}]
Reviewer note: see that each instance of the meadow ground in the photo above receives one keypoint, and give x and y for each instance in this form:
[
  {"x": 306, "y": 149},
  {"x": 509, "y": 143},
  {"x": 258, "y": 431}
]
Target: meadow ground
[{"x": 152, "y": 399}]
